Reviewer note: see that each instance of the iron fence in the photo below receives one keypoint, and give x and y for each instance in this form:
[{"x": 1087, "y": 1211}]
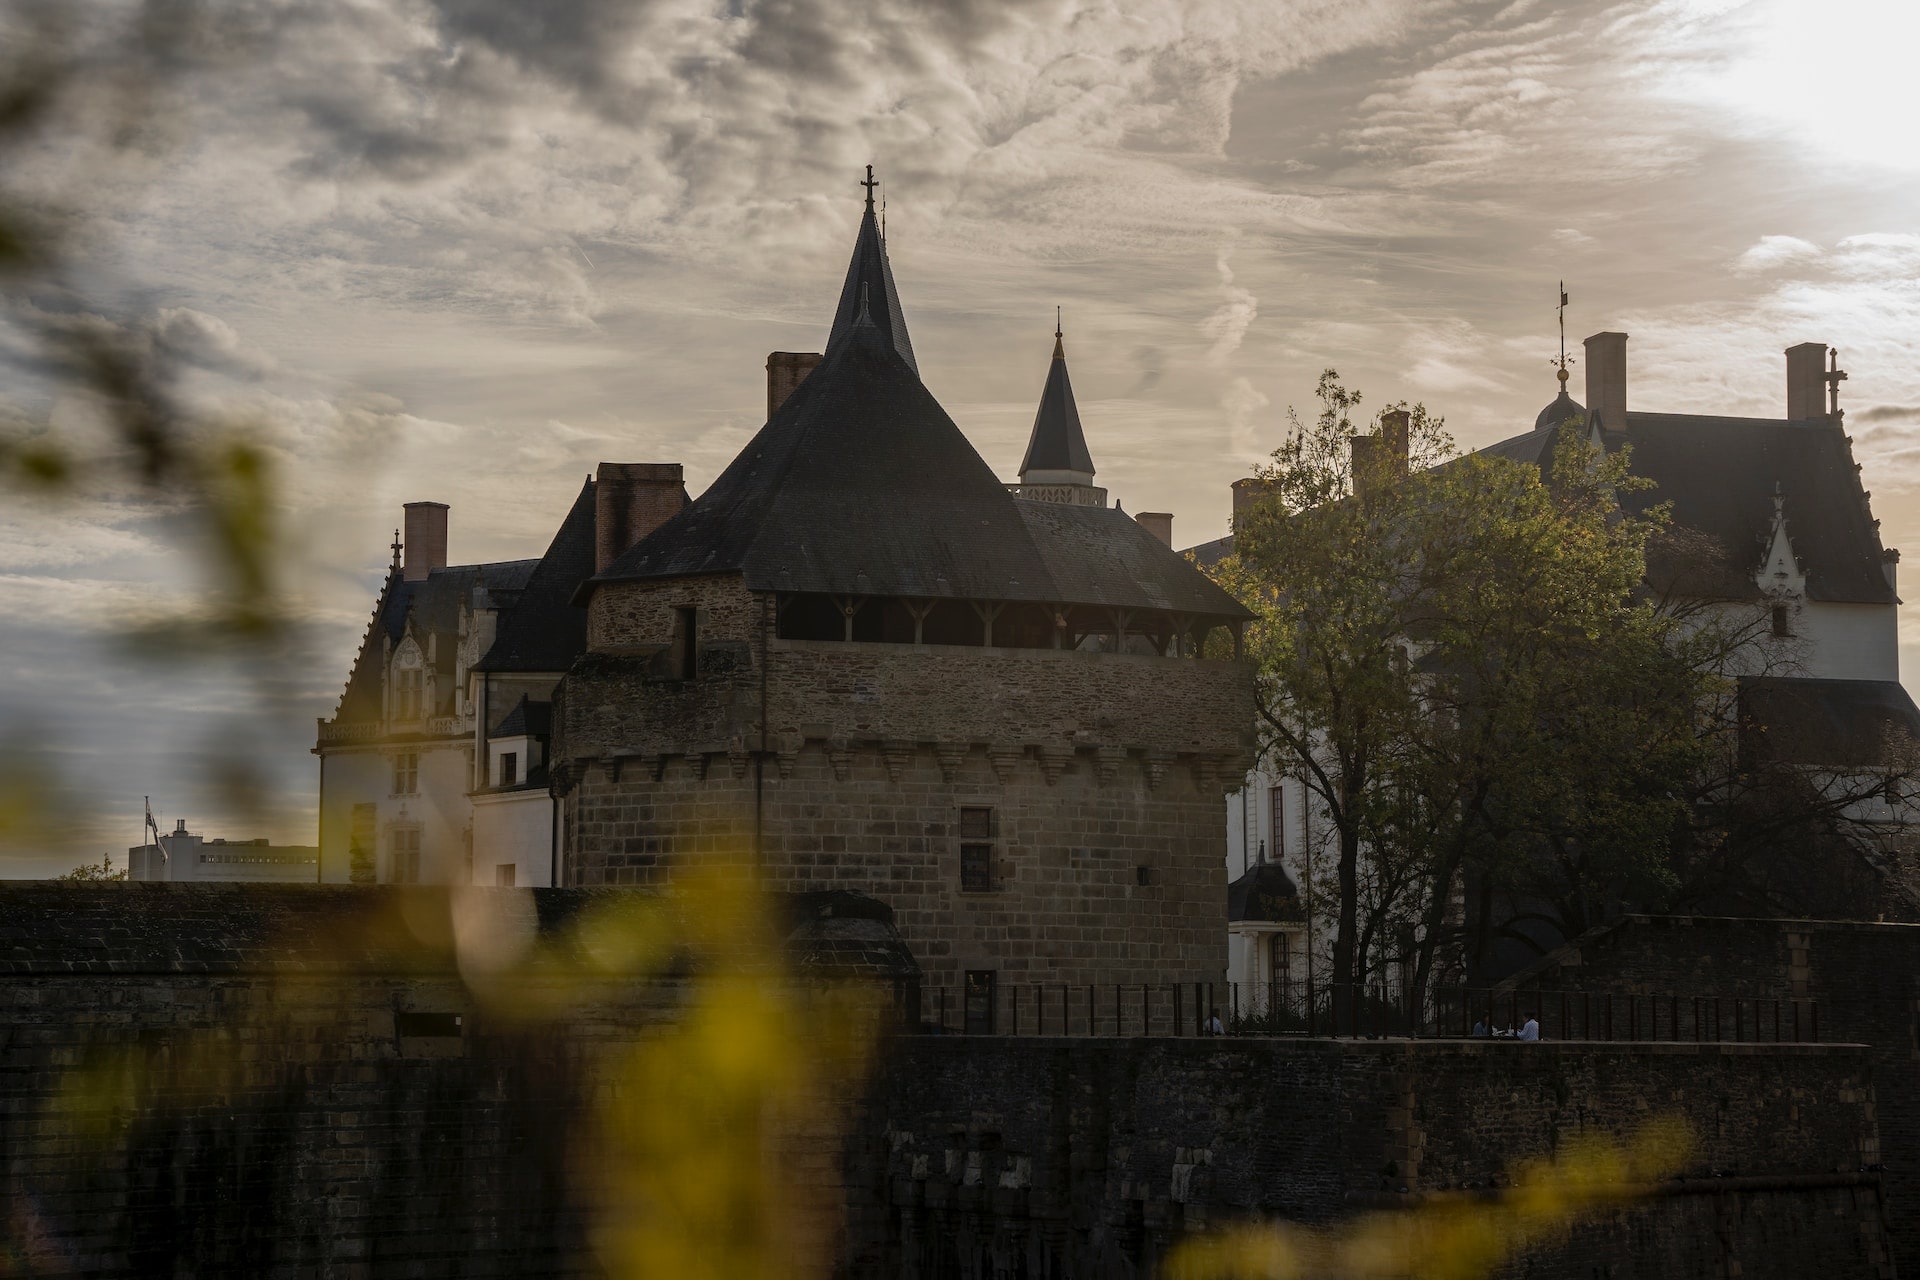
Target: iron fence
[{"x": 1352, "y": 1011}]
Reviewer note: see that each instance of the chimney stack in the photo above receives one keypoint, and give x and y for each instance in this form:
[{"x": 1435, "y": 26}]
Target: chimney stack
[
  {"x": 1381, "y": 457},
  {"x": 1157, "y": 523},
  {"x": 1807, "y": 381},
  {"x": 786, "y": 370},
  {"x": 630, "y": 501},
  {"x": 1248, "y": 492},
  {"x": 426, "y": 540},
  {"x": 1607, "y": 381},
  {"x": 1394, "y": 430}
]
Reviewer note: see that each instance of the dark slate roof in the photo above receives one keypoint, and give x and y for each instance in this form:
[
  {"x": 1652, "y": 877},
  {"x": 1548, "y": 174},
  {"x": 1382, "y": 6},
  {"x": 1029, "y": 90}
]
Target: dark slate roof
[
  {"x": 870, "y": 280},
  {"x": 528, "y": 719},
  {"x": 1102, "y": 556},
  {"x": 1208, "y": 554},
  {"x": 1057, "y": 442},
  {"x": 1720, "y": 474},
  {"x": 1265, "y": 893},
  {"x": 1835, "y": 723},
  {"x": 860, "y": 484},
  {"x": 1562, "y": 407},
  {"x": 432, "y": 606},
  {"x": 545, "y": 630}
]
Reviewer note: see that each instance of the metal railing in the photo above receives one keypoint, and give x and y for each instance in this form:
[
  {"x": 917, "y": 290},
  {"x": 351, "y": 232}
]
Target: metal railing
[{"x": 1352, "y": 1011}]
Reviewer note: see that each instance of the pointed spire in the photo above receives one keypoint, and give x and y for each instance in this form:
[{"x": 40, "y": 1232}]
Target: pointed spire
[
  {"x": 870, "y": 276},
  {"x": 1057, "y": 450}
]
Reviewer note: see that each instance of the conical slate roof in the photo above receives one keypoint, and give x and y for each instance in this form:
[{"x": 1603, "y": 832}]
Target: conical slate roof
[
  {"x": 860, "y": 484},
  {"x": 869, "y": 275},
  {"x": 1057, "y": 443}
]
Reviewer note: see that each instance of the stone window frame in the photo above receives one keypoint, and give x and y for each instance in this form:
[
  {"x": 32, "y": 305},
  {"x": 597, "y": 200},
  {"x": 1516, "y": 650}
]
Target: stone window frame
[
  {"x": 408, "y": 698},
  {"x": 403, "y": 853},
  {"x": 406, "y": 773},
  {"x": 977, "y": 847}
]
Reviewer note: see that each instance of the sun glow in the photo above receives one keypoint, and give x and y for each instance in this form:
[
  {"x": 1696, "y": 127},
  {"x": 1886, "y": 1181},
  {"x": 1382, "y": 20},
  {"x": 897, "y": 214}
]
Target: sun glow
[{"x": 1836, "y": 73}]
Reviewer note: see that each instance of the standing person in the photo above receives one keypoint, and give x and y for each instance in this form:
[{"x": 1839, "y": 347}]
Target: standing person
[
  {"x": 1214, "y": 1028},
  {"x": 1531, "y": 1031}
]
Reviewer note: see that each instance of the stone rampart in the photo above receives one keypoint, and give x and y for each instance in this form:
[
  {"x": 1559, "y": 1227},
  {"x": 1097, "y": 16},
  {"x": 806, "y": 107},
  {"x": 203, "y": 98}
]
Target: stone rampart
[
  {"x": 1088, "y": 1158},
  {"x": 1862, "y": 977},
  {"x": 270, "y": 1080}
]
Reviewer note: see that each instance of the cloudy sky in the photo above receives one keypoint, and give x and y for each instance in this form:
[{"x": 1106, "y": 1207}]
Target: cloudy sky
[{"x": 463, "y": 250}]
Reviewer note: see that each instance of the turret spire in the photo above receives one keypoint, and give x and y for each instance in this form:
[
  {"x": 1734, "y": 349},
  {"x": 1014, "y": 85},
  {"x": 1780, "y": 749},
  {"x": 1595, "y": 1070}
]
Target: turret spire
[
  {"x": 871, "y": 276},
  {"x": 1057, "y": 453}
]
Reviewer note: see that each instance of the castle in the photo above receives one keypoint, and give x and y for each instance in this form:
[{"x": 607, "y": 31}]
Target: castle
[{"x": 857, "y": 661}]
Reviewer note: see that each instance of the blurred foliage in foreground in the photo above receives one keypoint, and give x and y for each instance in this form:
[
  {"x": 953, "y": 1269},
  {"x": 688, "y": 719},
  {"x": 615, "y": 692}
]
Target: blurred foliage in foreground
[
  {"x": 1446, "y": 1238},
  {"x": 703, "y": 1121},
  {"x": 689, "y": 1135},
  {"x": 96, "y": 408}
]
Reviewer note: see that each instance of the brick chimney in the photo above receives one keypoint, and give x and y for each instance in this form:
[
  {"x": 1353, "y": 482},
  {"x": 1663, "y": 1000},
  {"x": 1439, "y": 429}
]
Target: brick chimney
[
  {"x": 1157, "y": 523},
  {"x": 786, "y": 370},
  {"x": 1394, "y": 431},
  {"x": 1607, "y": 380},
  {"x": 1247, "y": 492},
  {"x": 1807, "y": 380},
  {"x": 1380, "y": 457},
  {"x": 426, "y": 540},
  {"x": 630, "y": 501}
]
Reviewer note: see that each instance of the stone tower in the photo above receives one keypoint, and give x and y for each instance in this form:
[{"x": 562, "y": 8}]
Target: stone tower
[{"x": 858, "y": 662}]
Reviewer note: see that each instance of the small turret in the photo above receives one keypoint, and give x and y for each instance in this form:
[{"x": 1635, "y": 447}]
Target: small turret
[{"x": 1058, "y": 466}]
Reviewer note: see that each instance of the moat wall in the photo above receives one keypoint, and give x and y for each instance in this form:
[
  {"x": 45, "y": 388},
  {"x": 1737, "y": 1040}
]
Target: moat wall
[
  {"x": 1863, "y": 977},
  {"x": 1085, "y": 1158},
  {"x": 267, "y": 1081}
]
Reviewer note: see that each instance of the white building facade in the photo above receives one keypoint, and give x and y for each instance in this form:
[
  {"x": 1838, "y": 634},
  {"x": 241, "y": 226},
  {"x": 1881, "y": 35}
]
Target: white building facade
[{"x": 1794, "y": 561}]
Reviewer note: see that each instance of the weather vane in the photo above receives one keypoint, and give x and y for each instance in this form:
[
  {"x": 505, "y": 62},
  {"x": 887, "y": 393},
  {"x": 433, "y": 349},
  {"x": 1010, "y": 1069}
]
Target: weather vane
[{"x": 1564, "y": 359}]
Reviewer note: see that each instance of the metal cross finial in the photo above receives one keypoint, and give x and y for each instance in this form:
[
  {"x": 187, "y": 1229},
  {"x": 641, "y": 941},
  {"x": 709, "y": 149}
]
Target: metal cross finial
[
  {"x": 1833, "y": 377},
  {"x": 869, "y": 184},
  {"x": 396, "y": 548}
]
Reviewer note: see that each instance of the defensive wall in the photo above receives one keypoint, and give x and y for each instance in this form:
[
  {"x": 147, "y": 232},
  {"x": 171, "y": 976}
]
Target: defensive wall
[
  {"x": 1863, "y": 977},
  {"x": 1090, "y": 1158},
  {"x": 272, "y": 1080}
]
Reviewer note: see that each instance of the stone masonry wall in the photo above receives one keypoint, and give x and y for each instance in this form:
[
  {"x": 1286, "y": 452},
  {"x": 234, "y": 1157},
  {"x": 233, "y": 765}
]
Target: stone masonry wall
[
  {"x": 266, "y": 1080},
  {"x": 1090, "y": 1158},
  {"x": 1863, "y": 977},
  {"x": 847, "y": 766},
  {"x": 1069, "y": 856}
]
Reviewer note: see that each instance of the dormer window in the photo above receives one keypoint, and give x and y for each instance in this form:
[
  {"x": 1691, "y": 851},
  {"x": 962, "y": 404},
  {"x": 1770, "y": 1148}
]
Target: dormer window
[
  {"x": 406, "y": 696},
  {"x": 509, "y": 768},
  {"x": 1782, "y": 620}
]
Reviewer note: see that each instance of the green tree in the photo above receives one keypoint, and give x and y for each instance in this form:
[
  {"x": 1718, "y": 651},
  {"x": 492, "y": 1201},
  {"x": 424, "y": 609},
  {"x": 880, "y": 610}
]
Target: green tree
[
  {"x": 95, "y": 872},
  {"x": 1439, "y": 640}
]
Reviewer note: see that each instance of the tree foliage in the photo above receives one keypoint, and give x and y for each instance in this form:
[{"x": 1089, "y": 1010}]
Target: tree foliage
[
  {"x": 101, "y": 872},
  {"x": 1455, "y": 655}
]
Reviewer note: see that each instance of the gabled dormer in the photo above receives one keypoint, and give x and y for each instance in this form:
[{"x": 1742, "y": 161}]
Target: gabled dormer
[
  {"x": 409, "y": 690},
  {"x": 1781, "y": 577}
]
